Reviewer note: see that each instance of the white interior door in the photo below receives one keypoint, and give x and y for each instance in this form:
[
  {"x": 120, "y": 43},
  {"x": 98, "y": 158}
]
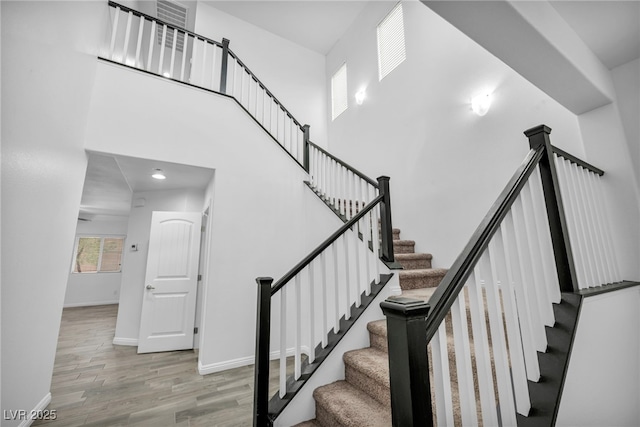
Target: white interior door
[{"x": 169, "y": 302}]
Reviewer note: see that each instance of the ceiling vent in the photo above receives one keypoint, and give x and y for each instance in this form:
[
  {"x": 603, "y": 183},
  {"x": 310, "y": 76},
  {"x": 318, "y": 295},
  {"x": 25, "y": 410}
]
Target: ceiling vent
[{"x": 174, "y": 14}]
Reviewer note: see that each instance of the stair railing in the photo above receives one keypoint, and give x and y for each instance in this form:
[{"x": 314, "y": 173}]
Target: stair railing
[
  {"x": 324, "y": 294},
  {"x": 143, "y": 42},
  {"x": 515, "y": 277}
]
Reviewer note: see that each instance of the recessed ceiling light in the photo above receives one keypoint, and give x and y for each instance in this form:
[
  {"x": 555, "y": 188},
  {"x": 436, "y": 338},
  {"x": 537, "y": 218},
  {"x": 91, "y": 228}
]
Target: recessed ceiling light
[{"x": 158, "y": 174}]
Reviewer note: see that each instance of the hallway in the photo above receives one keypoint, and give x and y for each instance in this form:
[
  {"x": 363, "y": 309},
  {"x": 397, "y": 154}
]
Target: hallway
[{"x": 98, "y": 384}]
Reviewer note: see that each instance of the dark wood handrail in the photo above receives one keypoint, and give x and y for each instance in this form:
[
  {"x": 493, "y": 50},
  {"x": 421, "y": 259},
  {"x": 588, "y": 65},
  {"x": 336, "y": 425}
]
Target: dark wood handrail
[
  {"x": 324, "y": 245},
  {"x": 453, "y": 282},
  {"x": 152, "y": 18},
  {"x": 577, "y": 161},
  {"x": 257, "y": 80},
  {"x": 348, "y": 166}
]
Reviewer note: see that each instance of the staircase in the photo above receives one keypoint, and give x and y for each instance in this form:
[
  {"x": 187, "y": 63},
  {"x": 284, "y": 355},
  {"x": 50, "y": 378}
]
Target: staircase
[{"x": 363, "y": 398}]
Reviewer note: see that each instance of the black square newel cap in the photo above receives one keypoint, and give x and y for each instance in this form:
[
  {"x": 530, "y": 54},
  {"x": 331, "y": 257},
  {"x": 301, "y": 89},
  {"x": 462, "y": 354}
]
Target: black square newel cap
[{"x": 404, "y": 306}]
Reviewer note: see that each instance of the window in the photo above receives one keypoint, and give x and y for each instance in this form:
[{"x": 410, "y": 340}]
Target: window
[
  {"x": 391, "y": 51},
  {"x": 98, "y": 255},
  {"x": 339, "y": 92}
]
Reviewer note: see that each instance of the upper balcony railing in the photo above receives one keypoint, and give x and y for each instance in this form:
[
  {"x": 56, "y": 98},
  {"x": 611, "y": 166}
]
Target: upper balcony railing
[{"x": 149, "y": 44}]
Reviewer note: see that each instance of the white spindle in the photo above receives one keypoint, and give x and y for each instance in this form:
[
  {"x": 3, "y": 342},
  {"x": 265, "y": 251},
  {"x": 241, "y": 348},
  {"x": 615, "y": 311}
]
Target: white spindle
[
  {"x": 312, "y": 314},
  {"x": 593, "y": 242},
  {"x": 203, "y": 68},
  {"x": 444, "y": 406},
  {"x": 534, "y": 336},
  {"x": 504, "y": 276},
  {"x": 347, "y": 268},
  {"x": 336, "y": 284},
  {"x": 151, "y": 44},
  {"x": 603, "y": 230},
  {"x": 298, "y": 325},
  {"x": 498, "y": 342},
  {"x": 468, "y": 411},
  {"x": 185, "y": 49},
  {"x": 533, "y": 241},
  {"x": 114, "y": 32},
  {"x": 481, "y": 346},
  {"x": 323, "y": 282},
  {"x": 375, "y": 236},
  {"x": 162, "y": 47},
  {"x": 583, "y": 227},
  {"x": 283, "y": 341},
  {"x": 173, "y": 52},
  {"x": 127, "y": 34},
  {"x": 139, "y": 42},
  {"x": 597, "y": 230},
  {"x": 356, "y": 245}
]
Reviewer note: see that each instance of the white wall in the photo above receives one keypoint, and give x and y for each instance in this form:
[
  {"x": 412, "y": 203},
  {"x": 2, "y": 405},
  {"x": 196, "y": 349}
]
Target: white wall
[
  {"x": 47, "y": 75},
  {"x": 447, "y": 165},
  {"x": 602, "y": 386},
  {"x": 626, "y": 80},
  {"x": 95, "y": 288},
  {"x": 135, "y": 262},
  {"x": 294, "y": 74},
  {"x": 261, "y": 224}
]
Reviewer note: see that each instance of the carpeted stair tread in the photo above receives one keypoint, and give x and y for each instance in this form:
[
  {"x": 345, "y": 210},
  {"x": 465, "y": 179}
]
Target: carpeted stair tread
[
  {"x": 422, "y": 294},
  {"x": 412, "y": 261},
  {"x": 403, "y": 246},
  {"x": 378, "y": 334},
  {"x": 340, "y": 404},
  {"x": 421, "y": 278},
  {"x": 368, "y": 370}
]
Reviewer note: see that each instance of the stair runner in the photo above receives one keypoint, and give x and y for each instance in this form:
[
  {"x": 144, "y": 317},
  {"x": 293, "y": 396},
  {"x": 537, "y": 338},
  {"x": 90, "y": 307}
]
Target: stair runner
[{"x": 362, "y": 399}]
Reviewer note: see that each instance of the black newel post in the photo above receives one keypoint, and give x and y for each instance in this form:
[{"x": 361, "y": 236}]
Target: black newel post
[
  {"x": 385, "y": 220},
  {"x": 223, "y": 66},
  {"x": 263, "y": 335},
  {"x": 566, "y": 269},
  {"x": 408, "y": 363},
  {"x": 305, "y": 149}
]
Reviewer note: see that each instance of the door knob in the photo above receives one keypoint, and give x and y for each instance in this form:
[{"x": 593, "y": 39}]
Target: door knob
[{"x": 150, "y": 287}]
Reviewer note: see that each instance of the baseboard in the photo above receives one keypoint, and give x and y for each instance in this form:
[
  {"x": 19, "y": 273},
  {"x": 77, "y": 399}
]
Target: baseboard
[
  {"x": 36, "y": 410},
  {"x": 125, "y": 341},
  {"x": 90, "y": 303},
  {"x": 242, "y": 361}
]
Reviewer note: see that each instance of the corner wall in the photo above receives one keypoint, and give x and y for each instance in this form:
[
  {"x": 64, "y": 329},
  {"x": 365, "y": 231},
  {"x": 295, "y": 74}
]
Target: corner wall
[{"x": 47, "y": 76}]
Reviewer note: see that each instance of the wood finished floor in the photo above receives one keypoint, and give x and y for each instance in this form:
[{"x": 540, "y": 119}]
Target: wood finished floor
[{"x": 98, "y": 384}]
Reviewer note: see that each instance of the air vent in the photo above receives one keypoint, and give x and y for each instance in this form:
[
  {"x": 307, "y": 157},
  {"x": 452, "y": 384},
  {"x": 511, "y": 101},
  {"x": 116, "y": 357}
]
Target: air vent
[{"x": 175, "y": 14}]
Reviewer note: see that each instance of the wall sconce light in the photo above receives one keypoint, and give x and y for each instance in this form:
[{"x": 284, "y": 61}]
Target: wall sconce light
[
  {"x": 360, "y": 96},
  {"x": 481, "y": 104},
  {"x": 158, "y": 174}
]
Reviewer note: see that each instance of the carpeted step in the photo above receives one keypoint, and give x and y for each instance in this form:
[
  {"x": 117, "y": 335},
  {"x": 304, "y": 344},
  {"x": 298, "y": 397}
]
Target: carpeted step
[
  {"x": 340, "y": 404},
  {"x": 378, "y": 334},
  {"x": 368, "y": 370},
  {"x": 404, "y": 246},
  {"x": 422, "y": 278},
  {"x": 413, "y": 261}
]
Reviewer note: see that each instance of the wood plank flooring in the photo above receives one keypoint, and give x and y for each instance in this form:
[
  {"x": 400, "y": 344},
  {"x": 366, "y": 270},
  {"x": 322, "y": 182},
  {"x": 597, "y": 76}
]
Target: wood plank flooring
[{"x": 98, "y": 384}]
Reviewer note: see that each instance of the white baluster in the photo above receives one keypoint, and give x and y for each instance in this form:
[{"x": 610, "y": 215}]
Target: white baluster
[
  {"x": 323, "y": 282},
  {"x": 590, "y": 229},
  {"x": 114, "y": 33},
  {"x": 498, "y": 342},
  {"x": 603, "y": 229},
  {"x": 283, "y": 342},
  {"x": 583, "y": 227},
  {"x": 127, "y": 34},
  {"x": 173, "y": 52},
  {"x": 298, "y": 325},
  {"x": 375, "y": 236},
  {"x": 215, "y": 82},
  {"x": 185, "y": 49},
  {"x": 502, "y": 274},
  {"x": 533, "y": 236},
  {"x": 468, "y": 411},
  {"x": 347, "y": 268},
  {"x": 533, "y": 331},
  {"x": 356, "y": 245},
  {"x": 481, "y": 346},
  {"x": 162, "y": 47},
  {"x": 336, "y": 284},
  {"x": 596, "y": 230},
  {"x": 139, "y": 42},
  {"x": 152, "y": 39},
  {"x": 444, "y": 406},
  {"x": 312, "y": 314}
]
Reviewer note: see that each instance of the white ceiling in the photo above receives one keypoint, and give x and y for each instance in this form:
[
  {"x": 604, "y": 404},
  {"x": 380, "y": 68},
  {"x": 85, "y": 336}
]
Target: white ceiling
[{"x": 111, "y": 180}]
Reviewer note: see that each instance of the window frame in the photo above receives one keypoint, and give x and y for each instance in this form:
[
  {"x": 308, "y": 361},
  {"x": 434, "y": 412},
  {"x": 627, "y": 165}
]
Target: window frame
[
  {"x": 378, "y": 44},
  {"x": 346, "y": 91},
  {"x": 102, "y": 238}
]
